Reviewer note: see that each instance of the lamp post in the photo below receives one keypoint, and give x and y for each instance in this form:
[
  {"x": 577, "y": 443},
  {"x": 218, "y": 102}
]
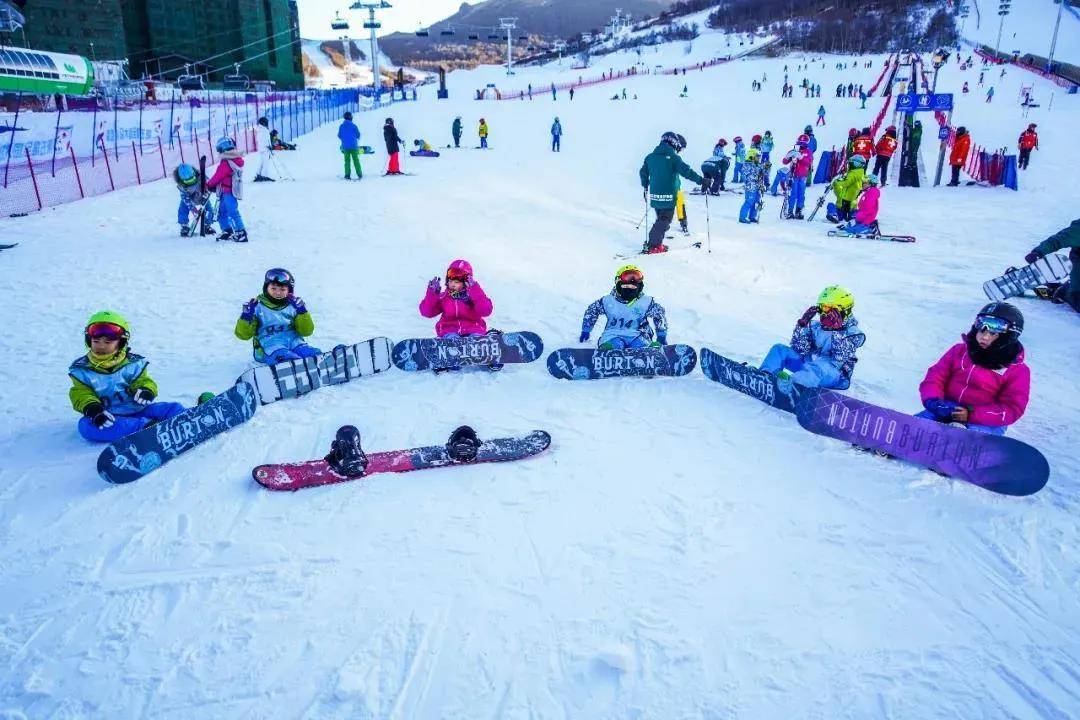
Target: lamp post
[
  {"x": 1003, "y": 10},
  {"x": 372, "y": 25},
  {"x": 1053, "y": 41}
]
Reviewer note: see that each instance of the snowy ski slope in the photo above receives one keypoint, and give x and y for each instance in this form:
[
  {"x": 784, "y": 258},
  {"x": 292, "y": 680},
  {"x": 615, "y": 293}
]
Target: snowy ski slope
[
  {"x": 680, "y": 552},
  {"x": 1029, "y": 28}
]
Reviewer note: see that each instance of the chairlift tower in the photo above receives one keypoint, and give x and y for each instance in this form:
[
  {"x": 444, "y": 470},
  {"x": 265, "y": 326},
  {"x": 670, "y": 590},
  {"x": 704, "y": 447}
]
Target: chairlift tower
[
  {"x": 1003, "y": 10},
  {"x": 509, "y": 25},
  {"x": 373, "y": 25}
]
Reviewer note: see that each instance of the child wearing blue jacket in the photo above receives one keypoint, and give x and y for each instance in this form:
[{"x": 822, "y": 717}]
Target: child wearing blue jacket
[
  {"x": 628, "y": 313},
  {"x": 349, "y": 135}
]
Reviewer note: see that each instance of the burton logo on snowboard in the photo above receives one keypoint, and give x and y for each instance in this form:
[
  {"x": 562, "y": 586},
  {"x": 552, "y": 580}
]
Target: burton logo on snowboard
[
  {"x": 294, "y": 378},
  {"x": 758, "y": 384},
  {"x": 142, "y": 452},
  {"x": 594, "y": 364},
  {"x": 448, "y": 353}
]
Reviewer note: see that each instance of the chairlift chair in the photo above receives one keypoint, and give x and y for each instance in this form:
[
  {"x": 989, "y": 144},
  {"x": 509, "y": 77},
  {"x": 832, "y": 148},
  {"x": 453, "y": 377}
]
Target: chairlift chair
[
  {"x": 236, "y": 81},
  {"x": 493, "y": 36},
  {"x": 523, "y": 38},
  {"x": 422, "y": 33},
  {"x": 447, "y": 32},
  {"x": 474, "y": 36},
  {"x": 190, "y": 82},
  {"x": 339, "y": 23}
]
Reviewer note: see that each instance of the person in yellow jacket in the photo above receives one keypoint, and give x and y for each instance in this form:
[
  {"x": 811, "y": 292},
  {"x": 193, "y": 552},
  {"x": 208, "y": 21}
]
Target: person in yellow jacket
[
  {"x": 110, "y": 386},
  {"x": 847, "y": 188},
  {"x": 483, "y": 133}
]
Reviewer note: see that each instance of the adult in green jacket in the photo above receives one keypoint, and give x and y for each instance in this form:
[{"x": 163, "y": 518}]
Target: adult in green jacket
[
  {"x": 456, "y": 131},
  {"x": 1067, "y": 238},
  {"x": 660, "y": 179}
]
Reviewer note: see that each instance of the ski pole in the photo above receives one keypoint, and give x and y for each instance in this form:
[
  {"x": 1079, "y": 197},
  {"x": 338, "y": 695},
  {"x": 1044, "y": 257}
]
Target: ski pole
[
  {"x": 643, "y": 217},
  {"x": 708, "y": 231}
]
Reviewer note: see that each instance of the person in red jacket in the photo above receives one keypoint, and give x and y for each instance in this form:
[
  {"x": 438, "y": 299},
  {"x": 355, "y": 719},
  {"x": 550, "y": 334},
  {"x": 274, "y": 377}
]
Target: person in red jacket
[
  {"x": 461, "y": 308},
  {"x": 863, "y": 144},
  {"x": 958, "y": 156},
  {"x": 982, "y": 382},
  {"x": 1029, "y": 140},
  {"x": 884, "y": 150}
]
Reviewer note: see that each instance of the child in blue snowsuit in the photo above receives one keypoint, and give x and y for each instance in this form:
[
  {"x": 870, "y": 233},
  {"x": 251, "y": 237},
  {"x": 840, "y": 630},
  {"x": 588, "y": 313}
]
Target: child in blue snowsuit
[
  {"x": 766, "y": 148},
  {"x": 753, "y": 187},
  {"x": 110, "y": 387},
  {"x": 277, "y": 321},
  {"x": 822, "y": 352},
  {"x": 740, "y": 158},
  {"x": 192, "y": 200},
  {"x": 556, "y": 135},
  {"x": 628, "y": 313}
]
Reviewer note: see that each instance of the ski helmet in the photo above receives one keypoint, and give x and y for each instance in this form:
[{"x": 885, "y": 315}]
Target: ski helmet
[
  {"x": 755, "y": 140},
  {"x": 675, "y": 140},
  {"x": 852, "y": 132},
  {"x": 837, "y": 297},
  {"x": 263, "y": 121},
  {"x": 1000, "y": 317},
  {"x": 738, "y": 139},
  {"x": 871, "y": 179},
  {"x": 629, "y": 282},
  {"x": 1032, "y": 126},
  {"x": 866, "y": 131},
  {"x": 225, "y": 144},
  {"x": 804, "y": 139},
  {"x": 389, "y": 121},
  {"x": 961, "y": 130},
  {"x": 347, "y": 115},
  {"x": 753, "y": 154},
  {"x": 459, "y": 270},
  {"x": 416, "y": 143},
  {"x": 857, "y": 161},
  {"x": 768, "y": 133},
  {"x": 891, "y": 130},
  {"x": 809, "y": 129},
  {"x": 185, "y": 175},
  {"x": 280, "y": 276},
  {"x": 108, "y": 323},
  {"x": 721, "y": 142}
]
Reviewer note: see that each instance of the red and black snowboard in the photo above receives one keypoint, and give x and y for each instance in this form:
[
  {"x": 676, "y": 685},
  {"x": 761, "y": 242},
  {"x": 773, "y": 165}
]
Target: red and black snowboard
[{"x": 347, "y": 461}]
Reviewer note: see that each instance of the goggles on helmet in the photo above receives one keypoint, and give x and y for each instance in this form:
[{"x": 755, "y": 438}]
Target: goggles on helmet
[
  {"x": 630, "y": 276},
  {"x": 992, "y": 324},
  {"x": 457, "y": 274},
  {"x": 107, "y": 330},
  {"x": 279, "y": 276}
]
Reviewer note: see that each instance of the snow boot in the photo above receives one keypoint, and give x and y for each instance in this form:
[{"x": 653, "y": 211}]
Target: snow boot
[
  {"x": 346, "y": 457},
  {"x": 225, "y": 235},
  {"x": 656, "y": 250},
  {"x": 263, "y": 178},
  {"x": 463, "y": 444},
  {"x": 185, "y": 231},
  {"x": 240, "y": 236},
  {"x": 798, "y": 214}
]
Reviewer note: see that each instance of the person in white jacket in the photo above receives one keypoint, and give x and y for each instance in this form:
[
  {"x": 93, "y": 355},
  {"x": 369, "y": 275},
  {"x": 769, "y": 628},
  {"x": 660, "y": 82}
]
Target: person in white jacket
[{"x": 263, "y": 145}]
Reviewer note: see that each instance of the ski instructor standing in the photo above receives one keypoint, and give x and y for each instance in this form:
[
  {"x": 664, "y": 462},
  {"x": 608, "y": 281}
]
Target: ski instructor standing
[{"x": 660, "y": 179}]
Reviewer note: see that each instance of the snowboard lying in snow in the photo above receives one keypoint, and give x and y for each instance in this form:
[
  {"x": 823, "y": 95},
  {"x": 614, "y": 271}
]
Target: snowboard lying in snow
[
  {"x": 295, "y": 476},
  {"x": 994, "y": 462},
  {"x": 450, "y": 353},
  {"x": 595, "y": 364},
  {"x": 748, "y": 380},
  {"x": 142, "y": 452},
  {"x": 294, "y": 378},
  {"x": 1052, "y": 268}
]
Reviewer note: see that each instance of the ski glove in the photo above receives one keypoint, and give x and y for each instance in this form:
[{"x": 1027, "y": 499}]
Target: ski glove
[
  {"x": 98, "y": 415},
  {"x": 298, "y": 303},
  {"x": 143, "y": 396},
  {"x": 941, "y": 409},
  {"x": 584, "y": 336},
  {"x": 661, "y": 338},
  {"x": 434, "y": 286},
  {"x": 1033, "y": 256},
  {"x": 807, "y": 316},
  {"x": 247, "y": 314}
]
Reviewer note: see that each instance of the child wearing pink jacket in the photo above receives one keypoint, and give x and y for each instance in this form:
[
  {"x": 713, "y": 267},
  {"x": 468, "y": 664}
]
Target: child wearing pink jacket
[
  {"x": 461, "y": 308},
  {"x": 982, "y": 382}
]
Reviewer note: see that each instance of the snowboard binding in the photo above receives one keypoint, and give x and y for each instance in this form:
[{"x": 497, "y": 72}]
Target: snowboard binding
[
  {"x": 463, "y": 445},
  {"x": 346, "y": 457}
]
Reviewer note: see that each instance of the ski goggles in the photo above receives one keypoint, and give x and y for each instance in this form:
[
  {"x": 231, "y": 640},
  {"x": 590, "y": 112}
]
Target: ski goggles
[
  {"x": 992, "y": 324},
  {"x": 457, "y": 275},
  {"x": 279, "y": 276},
  {"x": 826, "y": 309},
  {"x": 630, "y": 276},
  {"x": 109, "y": 331}
]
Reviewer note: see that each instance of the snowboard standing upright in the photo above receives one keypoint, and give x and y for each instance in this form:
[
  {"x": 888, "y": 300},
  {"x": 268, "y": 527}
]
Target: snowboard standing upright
[
  {"x": 142, "y": 452},
  {"x": 1049, "y": 269},
  {"x": 449, "y": 353},
  {"x": 595, "y": 364},
  {"x": 995, "y": 462},
  {"x": 293, "y": 378}
]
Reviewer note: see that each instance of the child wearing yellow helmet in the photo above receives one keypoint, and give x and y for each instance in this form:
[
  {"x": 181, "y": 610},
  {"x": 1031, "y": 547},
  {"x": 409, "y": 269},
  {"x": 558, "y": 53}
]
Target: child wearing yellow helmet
[
  {"x": 823, "y": 344},
  {"x": 110, "y": 387},
  {"x": 628, "y": 312}
]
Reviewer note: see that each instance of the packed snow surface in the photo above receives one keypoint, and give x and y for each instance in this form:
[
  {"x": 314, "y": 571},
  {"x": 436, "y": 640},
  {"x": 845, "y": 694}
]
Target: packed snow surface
[
  {"x": 1028, "y": 28},
  {"x": 681, "y": 551}
]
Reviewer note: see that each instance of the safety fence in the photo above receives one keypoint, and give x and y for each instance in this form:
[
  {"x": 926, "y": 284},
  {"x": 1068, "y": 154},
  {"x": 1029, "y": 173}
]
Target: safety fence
[
  {"x": 137, "y": 146},
  {"x": 1027, "y": 62}
]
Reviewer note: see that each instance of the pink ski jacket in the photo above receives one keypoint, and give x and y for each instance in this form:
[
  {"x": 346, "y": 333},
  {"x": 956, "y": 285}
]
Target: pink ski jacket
[
  {"x": 994, "y": 397},
  {"x": 464, "y": 315},
  {"x": 867, "y": 211}
]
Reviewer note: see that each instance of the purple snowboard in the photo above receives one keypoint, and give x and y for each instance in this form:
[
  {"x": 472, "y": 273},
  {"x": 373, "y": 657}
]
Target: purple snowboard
[{"x": 994, "y": 462}]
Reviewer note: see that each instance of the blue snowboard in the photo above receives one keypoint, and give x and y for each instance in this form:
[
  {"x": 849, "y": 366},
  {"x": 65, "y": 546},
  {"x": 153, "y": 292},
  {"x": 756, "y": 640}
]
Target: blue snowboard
[
  {"x": 446, "y": 353},
  {"x": 140, "y": 453},
  {"x": 758, "y": 384},
  {"x": 593, "y": 364},
  {"x": 995, "y": 462}
]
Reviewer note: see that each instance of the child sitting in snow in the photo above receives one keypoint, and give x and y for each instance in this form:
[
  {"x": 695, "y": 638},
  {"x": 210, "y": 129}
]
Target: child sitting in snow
[
  {"x": 981, "y": 382},
  {"x": 865, "y": 220},
  {"x": 277, "y": 321},
  {"x": 110, "y": 385},
  {"x": 628, "y": 313},
  {"x": 192, "y": 200},
  {"x": 461, "y": 308},
  {"x": 822, "y": 351}
]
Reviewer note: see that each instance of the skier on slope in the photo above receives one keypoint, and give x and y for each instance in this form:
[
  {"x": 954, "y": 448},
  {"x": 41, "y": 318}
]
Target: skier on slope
[
  {"x": 1067, "y": 238},
  {"x": 556, "y": 136},
  {"x": 628, "y": 313},
  {"x": 715, "y": 168},
  {"x": 276, "y": 321},
  {"x": 739, "y": 153},
  {"x": 865, "y": 220},
  {"x": 812, "y": 146},
  {"x": 461, "y": 308},
  {"x": 847, "y": 188},
  {"x": 456, "y": 130},
  {"x": 659, "y": 176},
  {"x": 753, "y": 186},
  {"x": 482, "y": 131},
  {"x": 264, "y": 145},
  {"x": 799, "y": 159},
  {"x": 192, "y": 200},
  {"x": 822, "y": 351},
  {"x": 982, "y": 382},
  {"x": 349, "y": 136},
  {"x": 228, "y": 179},
  {"x": 1028, "y": 141},
  {"x": 884, "y": 150},
  {"x": 393, "y": 147},
  {"x": 110, "y": 386}
]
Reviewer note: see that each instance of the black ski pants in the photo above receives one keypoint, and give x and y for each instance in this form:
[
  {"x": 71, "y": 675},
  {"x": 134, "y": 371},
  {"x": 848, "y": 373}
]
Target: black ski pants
[
  {"x": 1025, "y": 158},
  {"x": 660, "y": 227},
  {"x": 955, "y": 175},
  {"x": 881, "y": 168}
]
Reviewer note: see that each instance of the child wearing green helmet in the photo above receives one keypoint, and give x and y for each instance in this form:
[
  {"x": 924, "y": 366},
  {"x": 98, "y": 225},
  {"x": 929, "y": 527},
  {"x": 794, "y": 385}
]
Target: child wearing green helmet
[
  {"x": 110, "y": 386},
  {"x": 847, "y": 188},
  {"x": 193, "y": 201},
  {"x": 628, "y": 312},
  {"x": 823, "y": 344}
]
